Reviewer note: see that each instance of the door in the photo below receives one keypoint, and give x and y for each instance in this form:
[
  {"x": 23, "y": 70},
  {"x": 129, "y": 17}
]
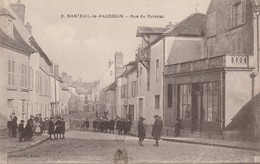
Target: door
[
  {"x": 140, "y": 107},
  {"x": 196, "y": 105}
]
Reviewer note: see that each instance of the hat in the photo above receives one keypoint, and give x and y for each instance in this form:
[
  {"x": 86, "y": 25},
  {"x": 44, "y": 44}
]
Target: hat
[
  {"x": 155, "y": 116},
  {"x": 22, "y": 120},
  {"x": 141, "y": 118}
]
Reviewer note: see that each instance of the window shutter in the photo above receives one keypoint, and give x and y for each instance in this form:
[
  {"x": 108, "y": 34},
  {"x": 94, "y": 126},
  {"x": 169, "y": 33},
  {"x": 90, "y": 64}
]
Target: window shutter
[
  {"x": 243, "y": 19},
  {"x": 229, "y": 17}
]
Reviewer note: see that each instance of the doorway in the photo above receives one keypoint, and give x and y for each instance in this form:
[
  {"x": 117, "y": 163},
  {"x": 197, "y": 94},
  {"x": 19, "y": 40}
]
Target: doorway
[{"x": 196, "y": 106}]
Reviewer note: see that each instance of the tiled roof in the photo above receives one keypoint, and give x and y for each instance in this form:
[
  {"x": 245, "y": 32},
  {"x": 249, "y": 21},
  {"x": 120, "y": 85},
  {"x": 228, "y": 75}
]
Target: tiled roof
[
  {"x": 150, "y": 30},
  {"x": 191, "y": 26},
  {"x": 111, "y": 87}
]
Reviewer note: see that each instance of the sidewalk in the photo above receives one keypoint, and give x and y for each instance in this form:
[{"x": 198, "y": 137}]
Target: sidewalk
[
  {"x": 9, "y": 145},
  {"x": 244, "y": 145}
]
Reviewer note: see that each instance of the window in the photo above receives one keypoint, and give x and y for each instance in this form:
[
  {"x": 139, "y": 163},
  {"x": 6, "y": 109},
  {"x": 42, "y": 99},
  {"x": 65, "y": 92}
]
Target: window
[
  {"x": 169, "y": 96},
  {"x": 210, "y": 49},
  {"x": 157, "y": 69},
  {"x": 157, "y": 101},
  {"x": 10, "y": 102},
  {"x": 210, "y": 108},
  {"x": 185, "y": 101},
  {"x": 236, "y": 14},
  {"x": 23, "y": 109},
  {"x": 25, "y": 76},
  {"x": 40, "y": 83},
  {"x": 211, "y": 24},
  {"x": 11, "y": 71},
  {"x": 134, "y": 89},
  {"x": 237, "y": 45}
]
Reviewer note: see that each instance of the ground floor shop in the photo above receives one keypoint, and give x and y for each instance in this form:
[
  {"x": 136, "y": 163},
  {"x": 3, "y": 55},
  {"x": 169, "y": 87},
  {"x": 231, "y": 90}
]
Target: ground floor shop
[{"x": 197, "y": 100}]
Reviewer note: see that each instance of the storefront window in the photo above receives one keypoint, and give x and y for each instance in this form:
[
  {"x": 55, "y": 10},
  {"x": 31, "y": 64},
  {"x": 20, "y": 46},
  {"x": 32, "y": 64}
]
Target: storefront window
[
  {"x": 185, "y": 101},
  {"x": 210, "y": 109}
]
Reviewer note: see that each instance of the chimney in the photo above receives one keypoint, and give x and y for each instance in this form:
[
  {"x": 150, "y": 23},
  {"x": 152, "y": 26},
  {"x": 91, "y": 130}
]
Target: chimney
[
  {"x": 28, "y": 27},
  {"x": 19, "y": 9},
  {"x": 110, "y": 63},
  {"x": 6, "y": 20},
  {"x": 119, "y": 59},
  {"x": 170, "y": 25}
]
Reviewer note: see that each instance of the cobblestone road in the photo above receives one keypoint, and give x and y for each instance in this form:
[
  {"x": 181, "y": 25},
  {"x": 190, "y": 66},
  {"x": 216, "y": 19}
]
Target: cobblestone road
[{"x": 89, "y": 147}]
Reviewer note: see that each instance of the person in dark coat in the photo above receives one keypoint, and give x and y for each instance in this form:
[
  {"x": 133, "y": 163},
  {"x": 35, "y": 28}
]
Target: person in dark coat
[
  {"x": 157, "y": 129},
  {"x": 29, "y": 129},
  {"x": 51, "y": 128},
  {"x": 14, "y": 125},
  {"x": 87, "y": 124},
  {"x": 95, "y": 123},
  {"x": 58, "y": 127},
  {"x": 111, "y": 125},
  {"x": 141, "y": 131},
  {"x": 177, "y": 128},
  {"x": 21, "y": 131},
  {"x": 63, "y": 128}
]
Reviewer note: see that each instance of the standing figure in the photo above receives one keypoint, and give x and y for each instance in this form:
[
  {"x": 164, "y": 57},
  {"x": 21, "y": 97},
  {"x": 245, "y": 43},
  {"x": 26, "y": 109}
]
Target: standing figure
[
  {"x": 46, "y": 124},
  {"x": 14, "y": 125},
  {"x": 87, "y": 124},
  {"x": 95, "y": 122},
  {"x": 29, "y": 129},
  {"x": 141, "y": 131},
  {"x": 177, "y": 128},
  {"x": 157, "y": 129},
  {"x": 83, "y": 123},
  {"x": 41, "y": 123},
  {"x": 111, "y": 125},
  {"x": 9, "y": 126},
  {"x": 58, "y": 127},
  {"x": 21, "y": 131},
  {"x": 51, "y": 128},
  {"x": 63, "y": 128},
  {"x": 37, "y": 128}
]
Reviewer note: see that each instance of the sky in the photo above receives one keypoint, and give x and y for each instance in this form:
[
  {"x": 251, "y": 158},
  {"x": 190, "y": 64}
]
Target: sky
[{"x": 83, "y": 46}]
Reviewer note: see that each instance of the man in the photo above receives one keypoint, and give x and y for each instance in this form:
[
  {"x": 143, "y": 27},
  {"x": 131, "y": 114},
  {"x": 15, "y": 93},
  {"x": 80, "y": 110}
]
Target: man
[
  {"x": 51, "y": 128},
  {"x": 157, "y": 129},
  {"x": 9, "y": 125},
  {"x": 41, "y": 123},
  {"x": 111, "y": 125},
  {"x": 63, "y": 128},
  {"x": 21, "y": 131},
  {"x": 87, "y": 123},
  {"x": 14, "y": 125},
  {"x": 141, "y": 131}
]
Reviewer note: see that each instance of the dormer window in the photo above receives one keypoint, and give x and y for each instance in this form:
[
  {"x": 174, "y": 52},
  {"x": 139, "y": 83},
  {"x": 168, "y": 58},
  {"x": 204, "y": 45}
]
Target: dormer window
[{"x": 236, "y": 14}]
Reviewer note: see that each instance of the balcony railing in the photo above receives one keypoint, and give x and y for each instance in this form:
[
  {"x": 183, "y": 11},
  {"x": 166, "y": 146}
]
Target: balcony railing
[{"x": 229, "y": 61}]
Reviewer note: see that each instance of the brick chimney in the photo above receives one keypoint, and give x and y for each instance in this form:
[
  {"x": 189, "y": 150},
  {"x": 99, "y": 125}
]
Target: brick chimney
[
  {"x": 19, "y": 9},
  {"x": 28, "y": 27}
]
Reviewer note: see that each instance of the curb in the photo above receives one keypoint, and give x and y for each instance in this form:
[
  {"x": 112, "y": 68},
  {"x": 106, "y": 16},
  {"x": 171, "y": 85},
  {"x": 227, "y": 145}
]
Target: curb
[
  {"x": 212, "y": 144},
  {"x": 29, "y": 146},
  {"x": 204, "y": 143}
]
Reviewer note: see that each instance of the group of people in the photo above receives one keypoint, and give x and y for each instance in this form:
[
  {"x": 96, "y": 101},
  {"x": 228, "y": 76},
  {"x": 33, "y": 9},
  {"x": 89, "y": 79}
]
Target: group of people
[
  {"x": 122, "y": 125},
  {"x": 35, "y": 125}
]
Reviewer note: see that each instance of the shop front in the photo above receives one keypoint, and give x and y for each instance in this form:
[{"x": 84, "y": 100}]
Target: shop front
[{"x": 197, "y": 100}]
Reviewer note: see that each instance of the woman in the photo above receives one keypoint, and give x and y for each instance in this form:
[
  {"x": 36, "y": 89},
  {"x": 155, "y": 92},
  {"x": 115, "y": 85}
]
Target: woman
[{"x": 141, "y": 131}]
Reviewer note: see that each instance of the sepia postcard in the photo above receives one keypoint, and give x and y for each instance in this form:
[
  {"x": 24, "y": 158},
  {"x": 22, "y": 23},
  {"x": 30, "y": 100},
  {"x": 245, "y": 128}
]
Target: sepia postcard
[{"x": 129, "y": 81}]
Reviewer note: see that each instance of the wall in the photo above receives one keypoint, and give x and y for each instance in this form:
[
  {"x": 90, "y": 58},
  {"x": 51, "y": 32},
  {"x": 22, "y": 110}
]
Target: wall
[{"x": 237, "y": 92}]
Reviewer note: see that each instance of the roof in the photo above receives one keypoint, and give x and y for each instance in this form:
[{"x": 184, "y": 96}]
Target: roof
[
  {"x": 190, "y": 26},
  {"x": 15, "y": 42},
  {"x": 126, "y": 72},
  {"x": 4, "y": 11},
  {"x": 245, "y": 116},
  {"x": 150, "y": 30},
  {"x": 111, "y": 87},
  {"x": 38, "y": 48}
]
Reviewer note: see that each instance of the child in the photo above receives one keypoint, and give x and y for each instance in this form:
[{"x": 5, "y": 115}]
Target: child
[
  {"x": 37, "y": 128},
  {"x": 21, "y": 131}
]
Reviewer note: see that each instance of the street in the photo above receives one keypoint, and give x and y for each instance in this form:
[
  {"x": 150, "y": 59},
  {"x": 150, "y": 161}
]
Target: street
[{"x": 90, "y": 147}]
